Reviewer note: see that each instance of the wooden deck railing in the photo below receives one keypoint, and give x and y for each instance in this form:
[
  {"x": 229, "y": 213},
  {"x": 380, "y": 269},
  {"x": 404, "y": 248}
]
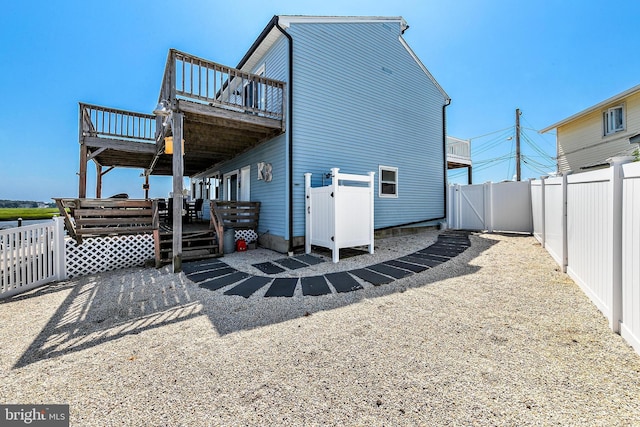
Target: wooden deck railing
[
  {"x": 113, "y": 123},
  {"x": 192, "y": 78},
  {"x": 233, "y": 214}
]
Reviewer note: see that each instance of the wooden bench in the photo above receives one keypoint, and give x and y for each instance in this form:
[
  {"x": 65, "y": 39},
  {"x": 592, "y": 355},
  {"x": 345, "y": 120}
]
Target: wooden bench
[
  {"x": 235, "y": 215},
  {"x": 103, "y": 217}
]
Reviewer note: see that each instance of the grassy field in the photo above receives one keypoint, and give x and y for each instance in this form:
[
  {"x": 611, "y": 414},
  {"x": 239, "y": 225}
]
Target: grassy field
[{"x": 12, "y": 214}]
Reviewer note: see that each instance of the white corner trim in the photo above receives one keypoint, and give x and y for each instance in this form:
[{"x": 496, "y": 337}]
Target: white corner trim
[{"x": 424, "y": 69}]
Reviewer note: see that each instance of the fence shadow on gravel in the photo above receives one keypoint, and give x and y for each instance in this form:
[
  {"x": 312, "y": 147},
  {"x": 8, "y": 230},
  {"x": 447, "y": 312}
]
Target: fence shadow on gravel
[{"x": 105, "y": 307}]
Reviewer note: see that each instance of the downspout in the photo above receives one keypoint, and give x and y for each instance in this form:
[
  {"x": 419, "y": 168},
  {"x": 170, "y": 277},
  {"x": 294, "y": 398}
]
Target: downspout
[
  {"x": 289, "y": 132},
  {"x": 447, "y": 102}
]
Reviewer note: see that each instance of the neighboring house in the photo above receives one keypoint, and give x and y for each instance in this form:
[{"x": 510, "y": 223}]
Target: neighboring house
[
  {"x": 459, "y": 155},
  {"x": 587, "y": 139},
  {"x": 311, "y": 94}
]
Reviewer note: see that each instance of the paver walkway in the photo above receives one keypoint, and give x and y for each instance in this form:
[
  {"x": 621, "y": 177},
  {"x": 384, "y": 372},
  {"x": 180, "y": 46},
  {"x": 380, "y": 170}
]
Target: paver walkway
[{"x": 215, "y": 274}]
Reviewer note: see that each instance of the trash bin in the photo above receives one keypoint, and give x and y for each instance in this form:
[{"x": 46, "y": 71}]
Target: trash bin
[{"x": 229, "y": 242}]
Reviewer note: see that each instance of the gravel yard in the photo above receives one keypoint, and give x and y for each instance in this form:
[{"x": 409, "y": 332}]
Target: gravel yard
[{"x": 495, "y": 336}]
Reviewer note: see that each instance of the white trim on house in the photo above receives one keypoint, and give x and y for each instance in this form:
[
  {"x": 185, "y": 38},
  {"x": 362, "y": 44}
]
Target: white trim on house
[
  {"x": 285, "y": 21},
  {"x": 424, "y": 69},
  {"x": 614, "y": 99},
  {"x": 381, "y": 169}
]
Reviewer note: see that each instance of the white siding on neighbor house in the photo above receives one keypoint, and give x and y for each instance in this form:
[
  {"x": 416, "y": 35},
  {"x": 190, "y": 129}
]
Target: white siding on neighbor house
[
  {"x": 582, "y": 142},
  {"x": 361, "y": 100}
]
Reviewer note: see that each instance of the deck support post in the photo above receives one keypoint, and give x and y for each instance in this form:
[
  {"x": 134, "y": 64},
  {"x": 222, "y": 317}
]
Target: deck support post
[
  {"x": 178, "y": 171},
  {"x": 98, "y": 181},
  {"x": 82, "y": 176}
]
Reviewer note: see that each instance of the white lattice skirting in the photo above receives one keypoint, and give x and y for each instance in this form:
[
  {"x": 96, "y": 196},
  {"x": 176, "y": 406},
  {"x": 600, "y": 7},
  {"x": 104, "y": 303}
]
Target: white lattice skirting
[{"x": 97, "y": 254}]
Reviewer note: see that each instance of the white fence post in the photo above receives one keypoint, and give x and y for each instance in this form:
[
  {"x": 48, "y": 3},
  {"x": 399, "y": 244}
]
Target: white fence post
[
  {"x": 371, "y": 198},
  {"x": 488, "y": 206},
  {"x": 616, "y": 240},
  {"x": 335, "y": 246},
  {"x": 543, "y": 207},
  {"x": 565, "y": 255},
  {"x": 59, "y": 249},
  {"x": 307, "y": 210}
]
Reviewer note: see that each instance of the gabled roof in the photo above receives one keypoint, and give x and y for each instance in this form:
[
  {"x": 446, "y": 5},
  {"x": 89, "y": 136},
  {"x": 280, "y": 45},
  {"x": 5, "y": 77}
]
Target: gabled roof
[
  {"x": 272, "y": 32},
  {"x": 596, "y": 107}
]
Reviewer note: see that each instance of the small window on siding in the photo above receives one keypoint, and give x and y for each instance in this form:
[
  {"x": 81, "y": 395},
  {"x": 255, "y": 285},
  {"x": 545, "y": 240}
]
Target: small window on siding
[
  {"x": 613, "y": 120},
  {"x": 387, "y": 181}
]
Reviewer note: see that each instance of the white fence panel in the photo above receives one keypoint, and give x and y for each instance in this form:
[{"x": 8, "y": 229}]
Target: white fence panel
[
  {"x": 630, "y": 327},
  {"x": 469, "y": 207},
  {"x": 589, "y": 235},
  {"x": 591, "y": 227},
  {"x": 339, "y": 215},
  {"x": 29, "y": 256},
  {"x": 510, "y": 207},
  {"x": 554, "y": 219},
  {"x": 537, "y": 210},
  {"x": 322, "y": 205},
  {"x": 353, "y": 216},
  {"x": 503, "y": 206}
]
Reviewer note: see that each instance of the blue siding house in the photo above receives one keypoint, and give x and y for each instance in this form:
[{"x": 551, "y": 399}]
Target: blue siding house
[
  {"x": 311, "y": 94},
  {"x": 357, "y": 98}
]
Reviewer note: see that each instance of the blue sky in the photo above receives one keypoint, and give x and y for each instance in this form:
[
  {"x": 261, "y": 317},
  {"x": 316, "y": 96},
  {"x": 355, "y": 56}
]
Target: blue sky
[{"x": 549, "y": 58}]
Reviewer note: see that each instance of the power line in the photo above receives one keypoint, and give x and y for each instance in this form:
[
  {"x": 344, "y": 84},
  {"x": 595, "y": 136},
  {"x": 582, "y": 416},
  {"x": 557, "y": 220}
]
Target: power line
[{"x": 490, "y": 133}]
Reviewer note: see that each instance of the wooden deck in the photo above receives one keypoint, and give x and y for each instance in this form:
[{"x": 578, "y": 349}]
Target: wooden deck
[
  {"x": 212, "y": 111},
  {"x": 225, "y": 112}
]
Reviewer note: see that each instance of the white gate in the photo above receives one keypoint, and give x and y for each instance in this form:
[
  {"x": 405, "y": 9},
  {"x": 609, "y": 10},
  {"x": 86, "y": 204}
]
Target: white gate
[
  {"x": 31, "y": 256},
  {"x": 502, "y": 206},
  {"x": 339, "y": 215}
]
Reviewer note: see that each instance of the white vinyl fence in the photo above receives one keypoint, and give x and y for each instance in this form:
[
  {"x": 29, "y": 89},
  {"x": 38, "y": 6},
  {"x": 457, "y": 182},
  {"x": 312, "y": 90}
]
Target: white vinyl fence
[
  {"x": 35, "y": 255},
  {"x": 590, "y": 224},
  {"x": 339, "y": 215},
  {"x": 30, "y": 256},
  {"x": 502, "y": 206}
]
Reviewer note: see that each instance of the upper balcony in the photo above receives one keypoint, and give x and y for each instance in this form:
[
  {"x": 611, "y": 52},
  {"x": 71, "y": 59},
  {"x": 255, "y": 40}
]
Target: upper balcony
[
  {"x": 458, "y": 153},
  {"x": 226, "y": 110}
]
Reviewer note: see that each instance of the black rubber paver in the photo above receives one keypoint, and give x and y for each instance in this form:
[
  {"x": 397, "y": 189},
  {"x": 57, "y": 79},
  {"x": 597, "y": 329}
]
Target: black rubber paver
[
  {"x": 290, "y": 263},
  {"x": 343, "y": 282},
  {"x": 309, "y": 259},
  {"x": 206, "y": 264},
  {"x": 210, "y": 274},
  {"x": 387, "y": 270},
  {"x": 249, "y": 286},
  {"x": 421, "y": 261},
  {"x": 314, "y": 286},
  {"x": 282, "y": 287},
  {"x": 371, "y": 276},
  {"x": 446, "y": 248},
  {"x": 432, "y": 256},
  {"x": 221, "y": 282},
  {"x": 406, "y": 266},
  {"x": 268, "y": 268}
]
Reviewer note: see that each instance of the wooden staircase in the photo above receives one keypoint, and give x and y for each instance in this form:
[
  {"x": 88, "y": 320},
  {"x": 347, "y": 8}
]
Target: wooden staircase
[{"x": 196, "y": 244}]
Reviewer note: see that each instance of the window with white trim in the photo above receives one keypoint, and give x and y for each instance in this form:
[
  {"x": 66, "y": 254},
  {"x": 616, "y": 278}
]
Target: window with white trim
[
  {"x": 387, "y": 181},
  {"x": 613, "y": 120}
]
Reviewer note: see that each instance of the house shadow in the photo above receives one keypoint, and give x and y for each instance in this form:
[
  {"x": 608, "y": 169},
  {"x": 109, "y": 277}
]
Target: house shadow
[{"x": 105, "y": 307}]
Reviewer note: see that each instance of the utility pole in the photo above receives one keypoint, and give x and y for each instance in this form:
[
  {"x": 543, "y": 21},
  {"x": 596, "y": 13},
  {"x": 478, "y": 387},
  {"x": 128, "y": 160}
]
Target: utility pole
[{"x": 518, "y": 175}]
